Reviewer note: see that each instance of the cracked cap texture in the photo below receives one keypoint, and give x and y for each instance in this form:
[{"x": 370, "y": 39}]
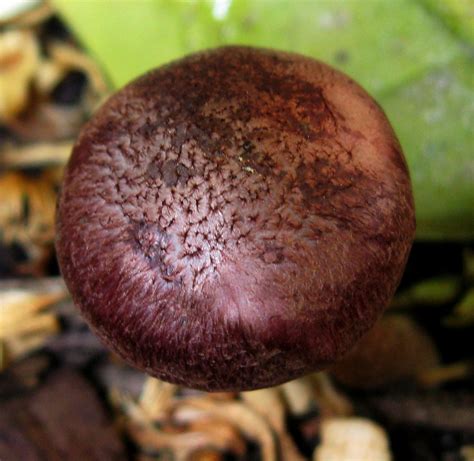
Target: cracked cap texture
[{"x": 235, "y": 219}]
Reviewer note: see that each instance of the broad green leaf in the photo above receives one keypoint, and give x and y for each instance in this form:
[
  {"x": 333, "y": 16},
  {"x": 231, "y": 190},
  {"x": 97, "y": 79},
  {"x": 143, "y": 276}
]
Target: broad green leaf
[
  {"x": 414, "y": 57},
  {"x": 434, "y": 119},
  {"x": 379, "y": 42},
  {"x": 457, "y": 15}
]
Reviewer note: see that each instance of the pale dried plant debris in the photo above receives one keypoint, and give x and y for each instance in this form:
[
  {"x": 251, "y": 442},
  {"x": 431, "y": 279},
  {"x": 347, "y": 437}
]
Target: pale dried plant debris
[
  {"x": 156, "y": 397},
  {"x": 39, "y": 130},
  {"x": 36, "y": 155},
  {"x": 26, "y": 13},
  {"x": 149, "y": 424},
  {"x": 27, "y": 213},
  {"x": 19, "y": 59},
  {"x": 246, "y": 420},
  {"x": 48, "y": 74},
  {"x": 27, "y": 320},
  {"x": 269, "y": 403},
  {"x": 185, "y": 423},
  {"x": 352, "y": 439},
  {"x": 181, "y": 444}
]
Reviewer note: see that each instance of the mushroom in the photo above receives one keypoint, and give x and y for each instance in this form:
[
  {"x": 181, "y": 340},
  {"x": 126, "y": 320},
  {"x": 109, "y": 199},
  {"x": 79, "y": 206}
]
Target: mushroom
[{"x": 235, "y": 219}]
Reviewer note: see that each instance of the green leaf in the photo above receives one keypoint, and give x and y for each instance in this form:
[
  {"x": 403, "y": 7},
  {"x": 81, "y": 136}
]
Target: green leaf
[
  {"x": 434, "y": 119},
  {"x": 463, "y": 314},
  {"x": 430, "y": 292},
  {"x": 416, "y": 59}
]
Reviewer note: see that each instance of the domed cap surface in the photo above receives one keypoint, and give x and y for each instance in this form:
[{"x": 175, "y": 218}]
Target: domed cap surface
[{"x": 235, "y": 219}]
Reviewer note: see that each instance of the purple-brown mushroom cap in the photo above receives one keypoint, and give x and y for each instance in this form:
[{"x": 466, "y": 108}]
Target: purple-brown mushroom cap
[{"x": 235, "y": 219}]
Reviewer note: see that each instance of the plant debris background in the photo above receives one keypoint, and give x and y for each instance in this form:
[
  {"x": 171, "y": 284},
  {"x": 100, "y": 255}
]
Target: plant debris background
[{"x": 405, "y": 392}]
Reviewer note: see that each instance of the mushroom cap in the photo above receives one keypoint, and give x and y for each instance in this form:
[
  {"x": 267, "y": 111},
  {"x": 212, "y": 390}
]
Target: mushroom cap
[{"x": 235, "y": 219}]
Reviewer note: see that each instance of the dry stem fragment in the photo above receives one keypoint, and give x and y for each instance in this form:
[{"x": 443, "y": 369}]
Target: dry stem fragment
[
  {"x": 436, "y": 376},
  {"x": 299, "y": 395},
  {"x": 269, "y": 404},
  {"x": 156, "y": 397},
  {"x": 328, "y": 398}
]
